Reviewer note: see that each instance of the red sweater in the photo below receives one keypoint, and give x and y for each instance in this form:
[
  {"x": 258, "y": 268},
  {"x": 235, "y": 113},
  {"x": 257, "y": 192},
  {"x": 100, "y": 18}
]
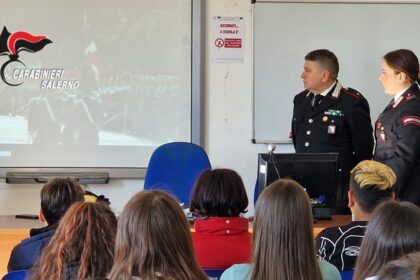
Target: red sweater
[{"x": 222, "y": 242}]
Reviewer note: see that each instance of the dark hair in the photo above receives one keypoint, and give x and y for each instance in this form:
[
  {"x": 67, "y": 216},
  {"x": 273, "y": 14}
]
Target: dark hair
[
  {"x": 393, "y": 230},
  {"x": 57, "y": 196},
  {"x": 219, "y": 193},
  {"x": 404, "y": 61},
  {"x": 405, "y": 268},
  {"x": 85, "y": 238},
  {"x": 326, "y": 59},
  {"x": 372, "y": 183},
  {"x": 283, "y": 246},
  {"x": 154, "y": 241}
]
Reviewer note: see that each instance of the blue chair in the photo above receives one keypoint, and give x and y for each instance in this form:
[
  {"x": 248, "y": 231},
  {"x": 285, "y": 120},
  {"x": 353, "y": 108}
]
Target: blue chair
[
  {"x": 214, "y": 273},
  {"x": 347, "y": 274},
  {"x": 16, "y": 275},
  {"x": 175, "y": 168}
]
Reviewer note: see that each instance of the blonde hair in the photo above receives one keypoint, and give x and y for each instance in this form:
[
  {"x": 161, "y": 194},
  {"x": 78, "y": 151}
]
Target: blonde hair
[
  {"x": 373, "y": 174},
  {"x": 372, "y": 183}
]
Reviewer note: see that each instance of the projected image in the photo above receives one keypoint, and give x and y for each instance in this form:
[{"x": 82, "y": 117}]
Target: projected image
[
  {"x": 98, "y": 76},
  {"x": 130, "y": 111}
]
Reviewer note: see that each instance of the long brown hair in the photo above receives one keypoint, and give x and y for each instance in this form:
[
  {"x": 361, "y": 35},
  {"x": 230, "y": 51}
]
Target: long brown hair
[
  {"x": 154, "y": 240},
  {"x": 85, "y": 236},
  {"x": 393, "y": 231},
  {"x": 283, "y": 245}
]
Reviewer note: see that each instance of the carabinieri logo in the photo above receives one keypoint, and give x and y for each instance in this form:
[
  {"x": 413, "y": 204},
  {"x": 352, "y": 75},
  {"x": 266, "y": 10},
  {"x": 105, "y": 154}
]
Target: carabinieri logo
[{"x": 13, "y": 43}]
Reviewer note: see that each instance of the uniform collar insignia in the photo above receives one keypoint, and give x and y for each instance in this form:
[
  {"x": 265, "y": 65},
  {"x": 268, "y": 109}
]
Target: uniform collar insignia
[
  {"x": 410, "y": 96},
  {"x": 337, "y": 90},
  {"x": 398, "y": 101}
]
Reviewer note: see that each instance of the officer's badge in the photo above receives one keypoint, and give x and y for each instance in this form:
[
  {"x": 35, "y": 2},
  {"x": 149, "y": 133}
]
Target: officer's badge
[
  {"x": 382, "y": 137},
  {"x": 333, "y": 112},
  {"x": 331, "y": 129}
]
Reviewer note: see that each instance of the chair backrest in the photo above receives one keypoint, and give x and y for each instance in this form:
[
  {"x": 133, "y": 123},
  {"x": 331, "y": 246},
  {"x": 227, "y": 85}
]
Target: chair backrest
[
  {"x": 214, "y": 273},
  {"x": 347, "y": 274},
  {"x": 16, "y": 275},
  {"x": 175, "y": 168}
]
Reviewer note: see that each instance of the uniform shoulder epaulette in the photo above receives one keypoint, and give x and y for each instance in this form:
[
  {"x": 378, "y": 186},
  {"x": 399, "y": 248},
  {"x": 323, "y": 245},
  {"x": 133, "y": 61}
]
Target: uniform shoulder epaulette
[
  {"x": 352, "y": 92},
  {"x": 303, "y": 92},
  {"x": 410, "y": 96}
]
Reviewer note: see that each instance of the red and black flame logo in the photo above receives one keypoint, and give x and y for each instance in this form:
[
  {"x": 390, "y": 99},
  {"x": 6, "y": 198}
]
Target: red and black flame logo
[{"x": 12, "y": 44}]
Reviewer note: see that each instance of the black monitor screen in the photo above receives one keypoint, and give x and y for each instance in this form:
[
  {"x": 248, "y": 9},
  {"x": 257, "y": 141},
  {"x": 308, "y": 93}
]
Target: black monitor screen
[{"x": 316, "y": 172}]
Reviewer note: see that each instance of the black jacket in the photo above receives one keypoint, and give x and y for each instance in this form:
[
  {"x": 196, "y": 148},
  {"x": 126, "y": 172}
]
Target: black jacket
[
  {"x": 340, "y": 123},
  {"x": 397, "y": 133}
]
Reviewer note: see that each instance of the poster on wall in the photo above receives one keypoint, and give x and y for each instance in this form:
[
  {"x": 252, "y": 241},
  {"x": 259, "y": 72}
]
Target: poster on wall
[{"x": 227, "y": 43}]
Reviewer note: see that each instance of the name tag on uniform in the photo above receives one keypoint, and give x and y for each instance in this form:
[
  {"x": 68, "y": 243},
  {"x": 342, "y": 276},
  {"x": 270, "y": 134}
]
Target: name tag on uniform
[{"x": 331, "y": 129}]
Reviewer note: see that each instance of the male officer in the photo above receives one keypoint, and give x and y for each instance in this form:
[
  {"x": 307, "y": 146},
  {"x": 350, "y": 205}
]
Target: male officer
[{"x": 330, "y": 118}]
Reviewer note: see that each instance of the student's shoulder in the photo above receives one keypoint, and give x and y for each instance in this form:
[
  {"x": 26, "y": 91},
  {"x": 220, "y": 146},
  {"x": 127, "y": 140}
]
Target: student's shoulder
[
  {"x": 328, "y": 232},
  {"x": 301, "y": 95},
  {"x": 237, "y": 272},
  {"x": 37, "y": 238},
  {"x": 328, "y": 271},
  {"x": 336, "y": 232}
]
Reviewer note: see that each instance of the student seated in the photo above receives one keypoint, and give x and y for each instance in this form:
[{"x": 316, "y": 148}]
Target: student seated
[
  {"x": 82, "y": 246},
  {"x": 405, "y": 268},
  {"x": 371, "y": 183},
  {"x": 56, "y": 197},
  {"x": 154, "y": 241},
  {"x": 393, "y": 230},
  {"x": 221, "y": 236},
  {"x": 283, "y": 245}
]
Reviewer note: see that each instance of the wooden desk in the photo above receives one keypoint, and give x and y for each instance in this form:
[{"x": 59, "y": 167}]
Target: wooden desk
[
  {"x": 12, "y": 231},
  {"x": 336, "y": 220}
]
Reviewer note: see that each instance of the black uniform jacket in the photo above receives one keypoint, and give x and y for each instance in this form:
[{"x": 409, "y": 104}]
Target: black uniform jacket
[
  {"x": 339, "y": 123},
  {"x": 397, "y": 133}
]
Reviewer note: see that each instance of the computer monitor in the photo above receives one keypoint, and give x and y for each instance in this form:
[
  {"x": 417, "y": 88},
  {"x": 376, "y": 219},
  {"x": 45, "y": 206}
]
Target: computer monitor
[{"x": 318, "y": 173}]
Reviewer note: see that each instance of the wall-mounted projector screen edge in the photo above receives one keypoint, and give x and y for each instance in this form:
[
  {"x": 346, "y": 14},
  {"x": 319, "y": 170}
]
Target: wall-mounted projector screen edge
[{"x": 102, "y": 89}]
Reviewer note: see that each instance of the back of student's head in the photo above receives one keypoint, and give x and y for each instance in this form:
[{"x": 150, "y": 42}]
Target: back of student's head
[
  {"x": 405, "y": 268},
  {"x": 219, "y": 193},
  {"x": 372, "y": 183},
  {"x": 154, "y": 240},
  {"x": 85, "y": 237},
  {"x": 283, "y": 246},
  {"x": 57, "y": 196},
  {"x": 393, "y": 230}
]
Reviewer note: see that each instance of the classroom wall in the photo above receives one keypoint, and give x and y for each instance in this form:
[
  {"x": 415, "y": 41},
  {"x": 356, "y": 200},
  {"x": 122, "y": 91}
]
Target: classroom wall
[{"x": 227, "y": 128}]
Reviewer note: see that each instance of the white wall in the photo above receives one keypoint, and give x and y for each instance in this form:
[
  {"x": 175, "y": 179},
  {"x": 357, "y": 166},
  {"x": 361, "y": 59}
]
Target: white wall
[
  {"x": 228, "y": 123},
  {"x": 228, "y": 114}
]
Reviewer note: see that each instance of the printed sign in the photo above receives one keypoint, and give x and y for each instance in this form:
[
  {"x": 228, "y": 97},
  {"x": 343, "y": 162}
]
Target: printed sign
[{"x": 228, "y": 39}]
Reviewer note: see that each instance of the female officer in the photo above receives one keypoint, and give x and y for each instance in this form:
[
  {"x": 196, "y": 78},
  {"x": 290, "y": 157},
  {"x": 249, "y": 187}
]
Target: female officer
[{"x": 397, "y": 129}]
